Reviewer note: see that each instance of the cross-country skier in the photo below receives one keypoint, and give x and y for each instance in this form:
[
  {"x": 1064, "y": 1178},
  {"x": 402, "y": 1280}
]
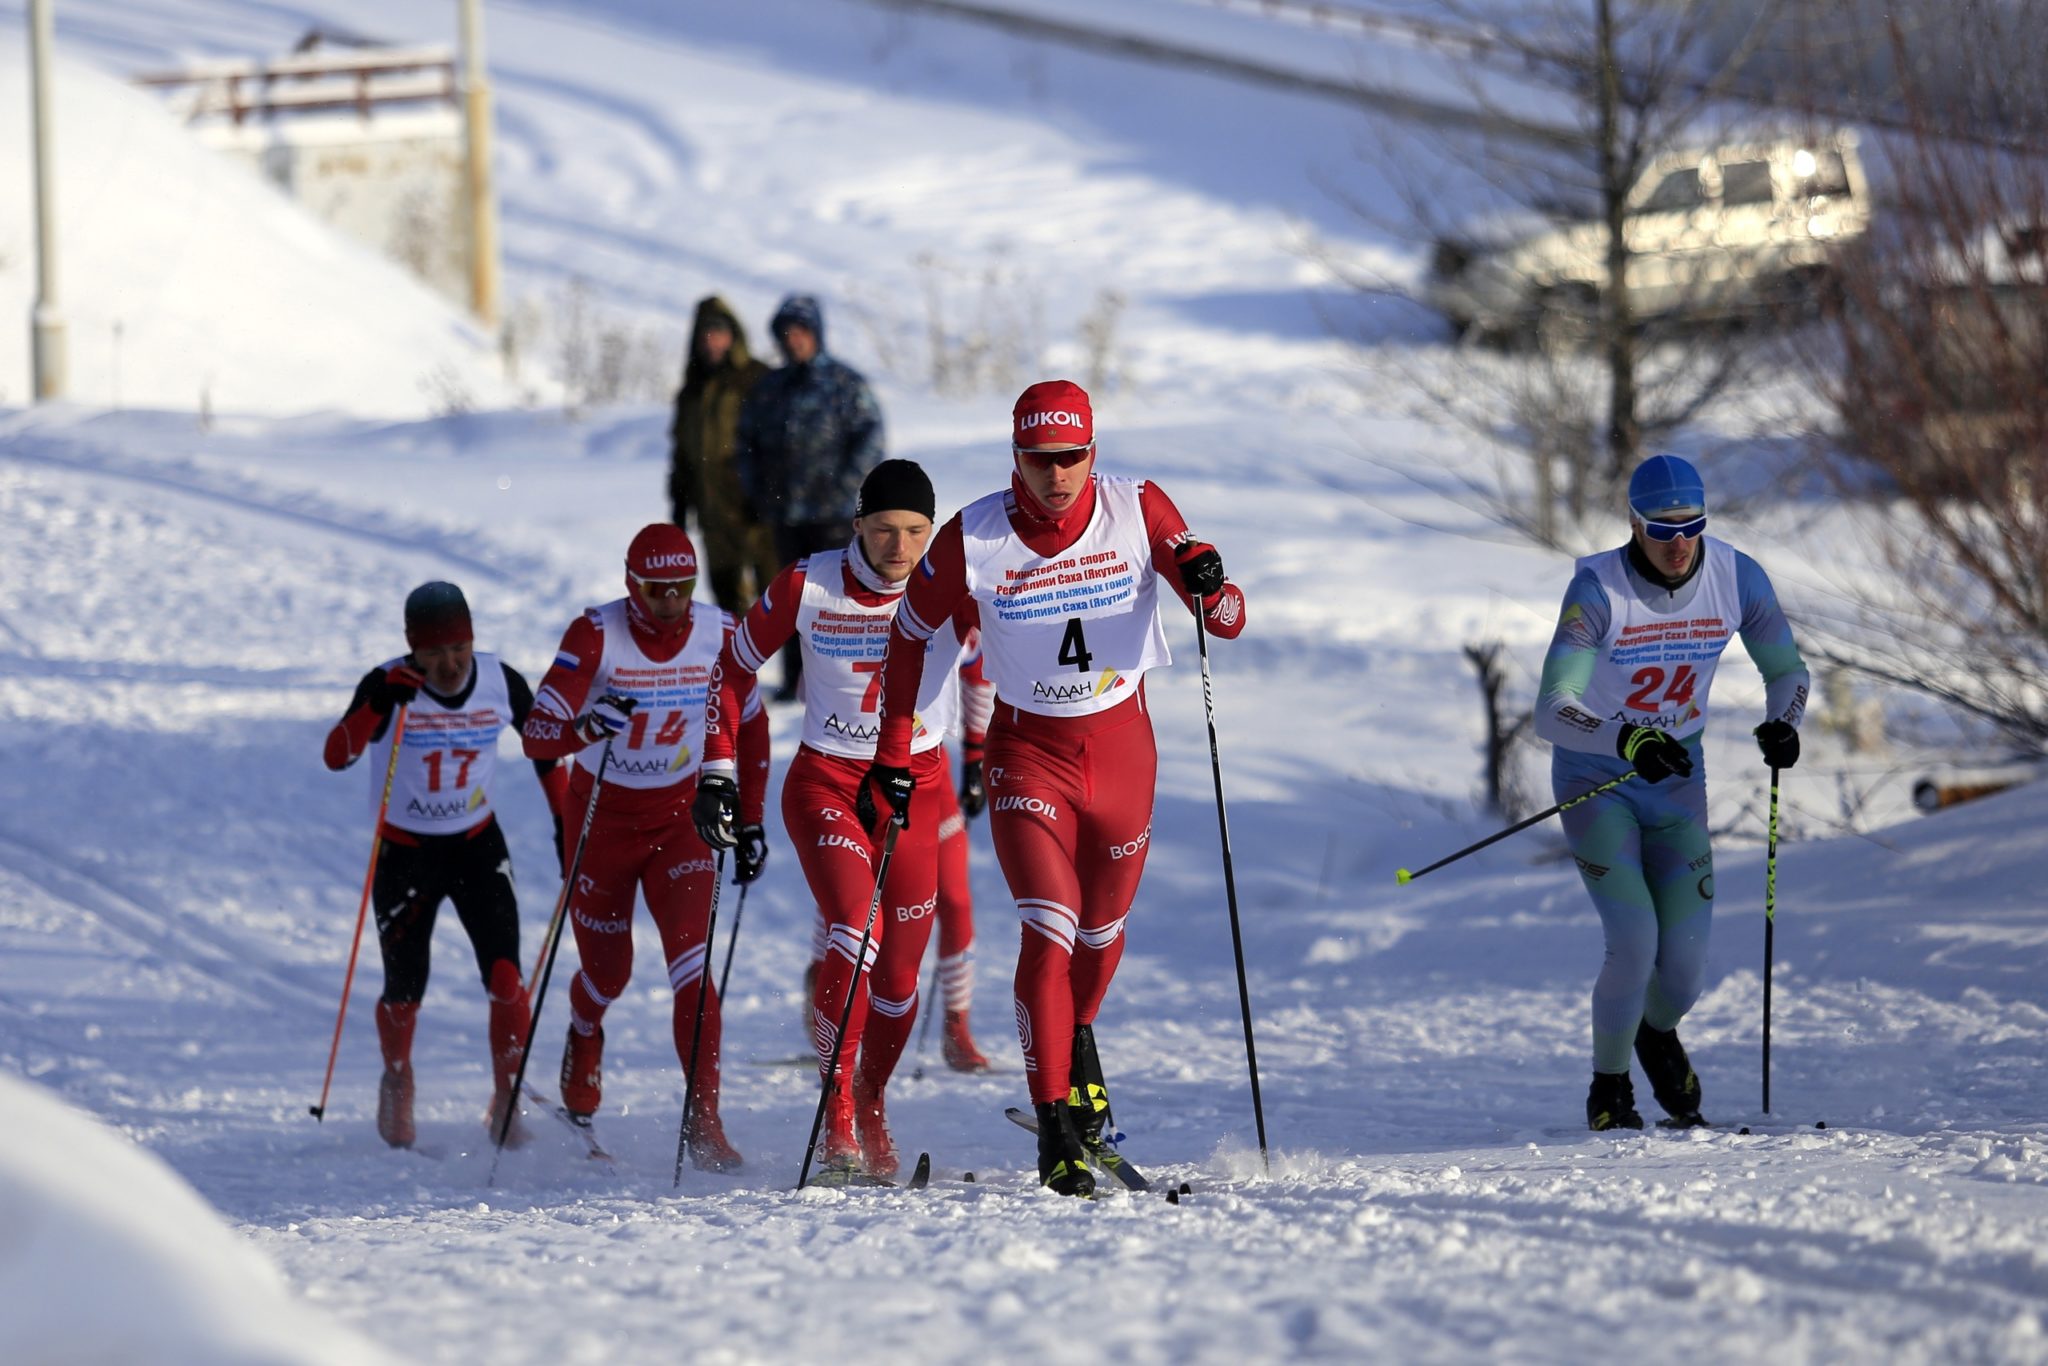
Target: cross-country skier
[
  {"x": 1625, "y": 686},
  {"x": 633, "y": 680},
  {"x": 441, "y": 839},
  {"x": 1061, "y": 569},
  {"x": 839, "y": 604}
]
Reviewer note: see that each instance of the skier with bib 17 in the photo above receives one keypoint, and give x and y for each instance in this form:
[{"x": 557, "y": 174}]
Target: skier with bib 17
[
  {"x": 441, "y": 839},
  {"x": 1625, "y": 686},
  {"x": 1063, "y": 568}
]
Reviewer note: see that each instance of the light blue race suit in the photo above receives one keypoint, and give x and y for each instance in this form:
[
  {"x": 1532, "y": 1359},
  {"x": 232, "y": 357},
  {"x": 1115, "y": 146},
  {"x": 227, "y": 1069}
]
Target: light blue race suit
[{"x": 1628, "y": 651}]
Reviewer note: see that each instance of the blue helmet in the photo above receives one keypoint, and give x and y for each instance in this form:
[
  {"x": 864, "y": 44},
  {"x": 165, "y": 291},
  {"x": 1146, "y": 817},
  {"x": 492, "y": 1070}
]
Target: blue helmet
[{"x": 1666, "y": 488}]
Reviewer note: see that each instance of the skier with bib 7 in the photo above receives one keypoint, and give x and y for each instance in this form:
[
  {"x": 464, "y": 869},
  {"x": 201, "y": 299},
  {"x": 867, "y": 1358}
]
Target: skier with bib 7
[
  {"x": 1625, "y": 687},
  {"x": 1062, "y": 568},
  {"x": 839, "y": 606}
]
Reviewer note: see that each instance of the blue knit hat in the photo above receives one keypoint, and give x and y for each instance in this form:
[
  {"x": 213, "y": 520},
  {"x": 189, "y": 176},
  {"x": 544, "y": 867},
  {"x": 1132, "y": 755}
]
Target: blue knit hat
[{"x": 1666, "y": 488}]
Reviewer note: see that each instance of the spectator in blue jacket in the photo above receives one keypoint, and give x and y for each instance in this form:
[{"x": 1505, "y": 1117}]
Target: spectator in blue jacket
[{"x": 808, "y": 435}]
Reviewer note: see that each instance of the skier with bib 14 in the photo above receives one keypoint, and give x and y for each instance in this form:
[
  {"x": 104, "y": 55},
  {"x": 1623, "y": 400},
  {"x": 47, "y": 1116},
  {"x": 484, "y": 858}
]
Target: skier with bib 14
[{"x": 1625, "y": 687}]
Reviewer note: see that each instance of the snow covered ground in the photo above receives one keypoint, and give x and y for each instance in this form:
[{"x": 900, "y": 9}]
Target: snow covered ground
[{"x": 183, "y": 612}]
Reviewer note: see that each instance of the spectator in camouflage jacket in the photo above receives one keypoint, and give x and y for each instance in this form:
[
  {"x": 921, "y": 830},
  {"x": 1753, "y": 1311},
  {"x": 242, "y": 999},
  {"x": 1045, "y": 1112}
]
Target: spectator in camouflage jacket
[
  {"x": 808, "y": 435},
  {"x": 703, "y": 476}
]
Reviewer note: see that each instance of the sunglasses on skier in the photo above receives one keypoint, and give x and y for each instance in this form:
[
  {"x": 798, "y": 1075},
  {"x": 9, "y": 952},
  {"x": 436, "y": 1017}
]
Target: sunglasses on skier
[
  {"x": 1066, "y": 459},
  {"x": 666, "y": 588},
  {"x": 1671, "y": 531}
]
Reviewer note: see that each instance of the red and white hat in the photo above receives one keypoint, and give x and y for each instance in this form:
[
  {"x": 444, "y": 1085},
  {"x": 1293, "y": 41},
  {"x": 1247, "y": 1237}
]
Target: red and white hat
[
  {"x": 1052, "y": 415},
  {"x": 661, "y": 552}
]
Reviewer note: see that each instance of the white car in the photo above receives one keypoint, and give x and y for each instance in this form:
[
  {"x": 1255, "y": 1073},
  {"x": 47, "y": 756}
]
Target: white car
[{"x": 1712, "y": 233}]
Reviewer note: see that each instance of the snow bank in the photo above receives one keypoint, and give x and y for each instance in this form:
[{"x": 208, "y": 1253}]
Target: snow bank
[
  {"x": 184, "y": 278},
  {"x": 107, "y": 1255}
]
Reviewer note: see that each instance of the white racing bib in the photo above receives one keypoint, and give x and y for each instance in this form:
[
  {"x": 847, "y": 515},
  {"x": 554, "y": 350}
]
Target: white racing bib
[
  {"x": 844, "y": 642},
  {"x": 442, "y": 785},
  {"x": 1655, "y": 669},
  {"x": 1070, "y": 634},
  {"x": 664, "y": 742}
]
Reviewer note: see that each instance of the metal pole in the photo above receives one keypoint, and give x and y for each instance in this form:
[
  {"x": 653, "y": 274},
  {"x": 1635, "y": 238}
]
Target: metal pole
[
  {"x": 46, "y": 326},
  {"x": 483, "y": 205}
]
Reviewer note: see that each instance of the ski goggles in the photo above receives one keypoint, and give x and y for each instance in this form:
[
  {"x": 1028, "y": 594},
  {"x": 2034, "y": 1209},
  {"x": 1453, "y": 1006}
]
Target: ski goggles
[
  {"x": 1066, "y": 458},
  {"x": 665, "y": 588},
  {"x": 1671, "y": 531}
]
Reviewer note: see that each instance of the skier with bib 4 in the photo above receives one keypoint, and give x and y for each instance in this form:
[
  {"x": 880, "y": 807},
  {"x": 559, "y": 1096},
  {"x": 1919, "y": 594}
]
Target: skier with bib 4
[
  {"x": 1062, "y": 569},
  {"x": 631, "y": 693},
  {"x": 1625, "y": 687},
  {"x": 440, "y": 836}
]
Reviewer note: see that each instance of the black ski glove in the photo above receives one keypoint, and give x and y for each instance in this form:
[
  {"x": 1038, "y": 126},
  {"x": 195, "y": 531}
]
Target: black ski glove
[
  {"x": 1656, "y": 754},
  {"x": 895, "y": 785},
  {"x": 396, "y": 687},
  {"x": 1201, "y": 570},
  {"x": 752, "y": 854},
  {"x": 714, "y": 811},
  {"x": 608, "y": 716},
  {"x": 973, "y": 789},
  {"x": 1779, "y": 740}
]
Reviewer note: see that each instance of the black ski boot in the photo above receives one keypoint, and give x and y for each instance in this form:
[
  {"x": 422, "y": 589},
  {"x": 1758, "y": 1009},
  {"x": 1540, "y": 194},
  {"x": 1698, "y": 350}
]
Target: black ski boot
[
  {"x": 1672, "y": 1080},
  {"x": 1088, "y": 1096},
  {"x": 1611, "y": 1104},
  {"x": 1062, "y": 1161}
]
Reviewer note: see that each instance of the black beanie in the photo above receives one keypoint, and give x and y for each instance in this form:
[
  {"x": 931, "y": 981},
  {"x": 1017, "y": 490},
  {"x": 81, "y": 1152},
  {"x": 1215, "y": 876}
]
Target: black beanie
[
  {"x": 897, "y": 485},
  {"x": 436, "y": 614}
]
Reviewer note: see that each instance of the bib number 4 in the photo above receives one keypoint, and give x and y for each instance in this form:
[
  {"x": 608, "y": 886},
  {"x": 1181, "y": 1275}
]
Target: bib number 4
[{"x": 1074, "y": 647}]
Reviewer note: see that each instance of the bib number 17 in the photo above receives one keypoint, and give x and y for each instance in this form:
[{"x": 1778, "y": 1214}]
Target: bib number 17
[{"x": 1074, "y": 647}]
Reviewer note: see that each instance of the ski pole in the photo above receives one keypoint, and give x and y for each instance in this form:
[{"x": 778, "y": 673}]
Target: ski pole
[
  {"x": 1244, "y": 994},
  {"x": 732, "y": 940},
  {"x": 1404, "y": 877},
  {"x": 553, "y": 942},
  {"x": 319, "y": 1112},
  {"x": 846, "y": 1013},
  {"x": 924, "y": 1031},
  {"x": 697, "y": 1029},
  {"x": 1770, "y": 924}
]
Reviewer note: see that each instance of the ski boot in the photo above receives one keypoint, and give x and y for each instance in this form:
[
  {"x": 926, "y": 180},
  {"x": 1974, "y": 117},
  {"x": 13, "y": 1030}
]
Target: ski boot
[
  {"x": 1062, "y": 1161},
  {"x": 957, "y": 1043},
  {"x": 710, "y": 1149},
  {"x": 508, "y": 1025},
  {"x": 395, "y": 1021},
  {"x": 1611, "y": 1104},
  {"x": 1088, "y": 1097},
  {"x": 840, "y": 1155},
  {"x": 878, "y": 1153},
  {"x": 394, "y": 1106},
  {"x": 583, "y": 1072},
  {"x": 503, "y": 1098},
  {"x": 1672, "y": 1080}
]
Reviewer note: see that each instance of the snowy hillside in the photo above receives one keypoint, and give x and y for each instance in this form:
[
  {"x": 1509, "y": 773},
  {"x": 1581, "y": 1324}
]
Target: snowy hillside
[
  {"x": 184, "y": 612},
  {"x": 185, "y": 281}
]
